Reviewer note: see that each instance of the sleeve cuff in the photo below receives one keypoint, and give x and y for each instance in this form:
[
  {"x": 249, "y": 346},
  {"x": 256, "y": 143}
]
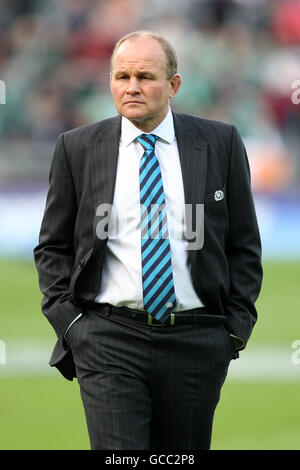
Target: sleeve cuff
[
  {"x": 70, "y": 325},
  {"x": 238, "y": 342}
]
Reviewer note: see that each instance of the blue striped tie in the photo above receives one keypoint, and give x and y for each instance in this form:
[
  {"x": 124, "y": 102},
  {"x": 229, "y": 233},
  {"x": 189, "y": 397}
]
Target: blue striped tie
[{"x": 158, "y": 285}]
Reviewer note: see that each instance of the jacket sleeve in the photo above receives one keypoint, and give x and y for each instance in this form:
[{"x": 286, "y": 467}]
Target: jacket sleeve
[
  {"x": 243, "y": 248},
  {"x": 54, "y": 255}
]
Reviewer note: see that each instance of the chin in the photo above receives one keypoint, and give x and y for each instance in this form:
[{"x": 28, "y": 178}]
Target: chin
[
  {"x": 134, "y": 117},
  {"x": 133, "y": 113}
]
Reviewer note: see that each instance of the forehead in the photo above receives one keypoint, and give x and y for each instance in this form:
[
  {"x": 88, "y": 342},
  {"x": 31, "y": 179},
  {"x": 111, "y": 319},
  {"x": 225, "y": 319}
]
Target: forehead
[{"x": 140, "y": 51}]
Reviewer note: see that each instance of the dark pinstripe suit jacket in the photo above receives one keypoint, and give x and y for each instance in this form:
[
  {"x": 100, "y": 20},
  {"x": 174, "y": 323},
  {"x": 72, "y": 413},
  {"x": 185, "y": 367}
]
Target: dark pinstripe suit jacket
[{"x": 226, "y": 271}]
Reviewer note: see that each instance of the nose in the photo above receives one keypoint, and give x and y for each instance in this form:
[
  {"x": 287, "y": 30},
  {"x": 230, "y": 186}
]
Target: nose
[{"x": 133, "y": 86}]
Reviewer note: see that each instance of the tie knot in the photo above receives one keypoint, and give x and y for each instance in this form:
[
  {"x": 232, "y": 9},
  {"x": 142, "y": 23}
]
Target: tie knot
[{"x": 147, "y": 141}]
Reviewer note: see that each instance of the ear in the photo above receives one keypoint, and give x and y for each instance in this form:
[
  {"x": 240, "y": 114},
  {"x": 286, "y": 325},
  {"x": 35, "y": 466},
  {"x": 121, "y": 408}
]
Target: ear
[{"x": 175, "y": 83}]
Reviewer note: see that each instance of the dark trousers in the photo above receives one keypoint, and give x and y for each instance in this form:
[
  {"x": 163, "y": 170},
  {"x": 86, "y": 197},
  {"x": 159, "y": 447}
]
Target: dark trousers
[{"x": 149, "y": 387}]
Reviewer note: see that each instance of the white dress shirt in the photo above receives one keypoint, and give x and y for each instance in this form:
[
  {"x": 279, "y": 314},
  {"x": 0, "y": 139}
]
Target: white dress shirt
[{"x": 122, "y": 270}]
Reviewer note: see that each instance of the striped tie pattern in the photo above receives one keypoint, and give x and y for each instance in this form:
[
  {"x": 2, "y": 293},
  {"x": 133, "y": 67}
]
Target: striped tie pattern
[{"x": 158, "y": 284}]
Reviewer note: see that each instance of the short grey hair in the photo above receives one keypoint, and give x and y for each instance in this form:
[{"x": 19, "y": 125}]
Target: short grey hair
[{"x": 171, "y": 57}]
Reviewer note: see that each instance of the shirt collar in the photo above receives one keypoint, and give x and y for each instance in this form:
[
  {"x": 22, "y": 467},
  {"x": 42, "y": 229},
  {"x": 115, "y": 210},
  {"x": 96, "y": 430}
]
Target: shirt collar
[{"x": 165, "y": 130}]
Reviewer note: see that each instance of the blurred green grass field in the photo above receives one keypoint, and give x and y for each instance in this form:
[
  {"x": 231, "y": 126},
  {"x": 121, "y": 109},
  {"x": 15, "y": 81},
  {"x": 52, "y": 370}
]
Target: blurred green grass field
[{"x": 45, "y": 412}]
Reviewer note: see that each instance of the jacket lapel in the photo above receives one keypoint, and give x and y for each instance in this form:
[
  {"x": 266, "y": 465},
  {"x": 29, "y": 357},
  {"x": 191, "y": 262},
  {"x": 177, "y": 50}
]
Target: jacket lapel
[
  {"x": 192, "y": 152},
  {"x": 103, "y": 172},
  {"x": 193, "y": 159}
]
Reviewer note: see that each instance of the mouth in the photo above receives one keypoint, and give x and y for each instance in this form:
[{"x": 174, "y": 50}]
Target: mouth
[{"x": 133, "y": 102}]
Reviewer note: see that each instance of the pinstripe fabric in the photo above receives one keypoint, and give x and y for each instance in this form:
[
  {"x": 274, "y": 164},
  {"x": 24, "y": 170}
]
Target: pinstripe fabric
[
  {"x": 149, "y": 387},
  {"x": 157, "y": 276}
]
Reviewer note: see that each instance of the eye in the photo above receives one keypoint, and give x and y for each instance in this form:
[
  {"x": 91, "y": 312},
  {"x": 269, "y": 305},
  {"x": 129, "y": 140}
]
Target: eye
[{"x": 121, "y": 76}]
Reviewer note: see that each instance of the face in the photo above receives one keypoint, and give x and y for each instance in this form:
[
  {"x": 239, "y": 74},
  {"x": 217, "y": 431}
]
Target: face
[{"x": 139, "y": 84}]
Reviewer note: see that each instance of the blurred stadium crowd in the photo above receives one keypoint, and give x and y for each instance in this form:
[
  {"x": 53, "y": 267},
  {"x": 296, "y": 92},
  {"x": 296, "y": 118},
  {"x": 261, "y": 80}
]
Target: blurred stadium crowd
[{"x": 238, "y": 58}]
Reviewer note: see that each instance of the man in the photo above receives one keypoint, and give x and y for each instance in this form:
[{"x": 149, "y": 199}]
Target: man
[{"x": 147, "y": 320}]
